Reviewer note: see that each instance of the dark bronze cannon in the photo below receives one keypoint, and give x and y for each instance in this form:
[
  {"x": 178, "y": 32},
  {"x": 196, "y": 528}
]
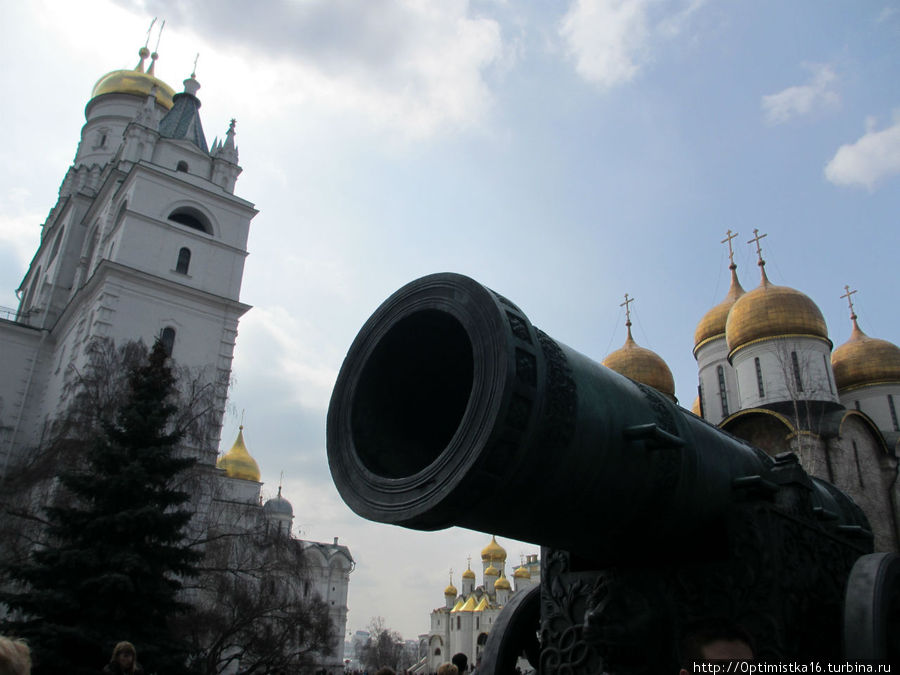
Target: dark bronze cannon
[{"x": 451, "y": 408}]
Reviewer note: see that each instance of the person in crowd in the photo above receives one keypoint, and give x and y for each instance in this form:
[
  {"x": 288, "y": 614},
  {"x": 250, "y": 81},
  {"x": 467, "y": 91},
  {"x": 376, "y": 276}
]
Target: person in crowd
[
  {"x": 15, "y": 657},
  {"x": 123, "y": 661},
  {"x": 714, "y": 640},
  {"x": 447, "y": 668},
  {"x": 461, "y": 661}
]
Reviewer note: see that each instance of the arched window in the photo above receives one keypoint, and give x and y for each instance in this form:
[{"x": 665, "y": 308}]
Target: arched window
[
  {"x": 723, "y": 394},
  {"x": 759, "y": 379},
  {"x": 437, "y": 651},
  {"x": 167, "y": 337},
  {"x": 184, "y": 261},
  {"x": 56, "y": 243},
  {"x": 182, "y": 166},
  {"x": 189, "y": 217},
  {"x": 798, "y": 382}
]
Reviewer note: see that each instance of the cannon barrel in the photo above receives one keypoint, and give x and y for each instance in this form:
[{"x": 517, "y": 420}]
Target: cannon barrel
[{"x": 451, "y": 408}]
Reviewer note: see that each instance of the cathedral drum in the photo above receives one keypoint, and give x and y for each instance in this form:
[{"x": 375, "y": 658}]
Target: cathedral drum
[{"x": 652, "y": 521}]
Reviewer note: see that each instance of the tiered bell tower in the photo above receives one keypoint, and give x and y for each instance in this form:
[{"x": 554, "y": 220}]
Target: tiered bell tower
[{"x": 147, "y": 239}]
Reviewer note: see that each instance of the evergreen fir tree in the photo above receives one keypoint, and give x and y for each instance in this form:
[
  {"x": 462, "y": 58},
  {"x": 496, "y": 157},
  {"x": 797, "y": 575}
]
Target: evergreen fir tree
[{"x": 115, "y": 549}]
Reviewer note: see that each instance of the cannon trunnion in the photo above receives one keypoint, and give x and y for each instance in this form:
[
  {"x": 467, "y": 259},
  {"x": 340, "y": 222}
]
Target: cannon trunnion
[{"x": 450, "y": 404}]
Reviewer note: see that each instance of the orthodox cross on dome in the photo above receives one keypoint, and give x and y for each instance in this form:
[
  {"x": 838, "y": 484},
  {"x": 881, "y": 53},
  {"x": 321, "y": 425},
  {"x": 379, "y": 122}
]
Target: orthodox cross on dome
[
  {"x": 155, "y": 54},
  {"x": 451, "y": 576},
  {"x": 848, "y": 295},
  {"x": 147, "y": 41},
  {"x": 728, "y": 237},
  {"x": 756, "y": 239},
  {"x": 194, "y": 72},
  {"x": 468, "y": 562},
  {"x": 158, "y": 35},
  {"x": 626, "y": 304}
]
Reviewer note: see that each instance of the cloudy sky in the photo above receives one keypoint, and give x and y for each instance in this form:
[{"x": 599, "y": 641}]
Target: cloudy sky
[{"x": 561, "y": 153}]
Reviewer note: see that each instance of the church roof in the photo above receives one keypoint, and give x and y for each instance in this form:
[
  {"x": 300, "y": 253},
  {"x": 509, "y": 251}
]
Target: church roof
[
  {"x": 182, "y": 122},
  {"x": 640, "y": 364},
  {"x": 770, "y": 311},
  {"x": 864, "y": 360},
  {"x": 136, "y": 82},
  {"x": 237, "y": 462},
  {"x": 493, "y": 551},
  {"x": 712, "y": 325}
]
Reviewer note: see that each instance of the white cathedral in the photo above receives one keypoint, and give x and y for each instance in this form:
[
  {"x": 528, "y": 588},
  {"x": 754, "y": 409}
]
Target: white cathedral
[
  {"x": 147, "y": 240},
  {"x": 462, "y": 624}
]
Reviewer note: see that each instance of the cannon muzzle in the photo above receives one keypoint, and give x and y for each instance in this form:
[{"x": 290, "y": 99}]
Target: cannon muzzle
[{"x": 451, "y": 408}]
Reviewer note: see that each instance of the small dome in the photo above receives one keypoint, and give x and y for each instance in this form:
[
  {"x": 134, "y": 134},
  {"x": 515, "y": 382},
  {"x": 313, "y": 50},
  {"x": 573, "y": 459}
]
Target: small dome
[
  {"x": 772, "y": 311},
  {"x": 278, "y": 506},
  {"x": 863, "y": 360},
  {"x": 502, "y": 584},
  {"x": 468, "y": 574},
  {"x": 712, "y": 325},
  {"x": 641, "y": 365},
  {"x": 135, "y": 82},
  {"x": 451, "y": 591},
  {"x": 491, "y": 571},
  {"x": 237, "y": 462},
  {"x": 521, "y": 573},
  {"x": 493, "y": 552}
]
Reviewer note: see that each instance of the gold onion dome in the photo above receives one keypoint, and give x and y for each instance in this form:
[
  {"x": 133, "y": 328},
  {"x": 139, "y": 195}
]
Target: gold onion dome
[
  {"x": 502, "y": 584},
  {"x": 136, "y": 82},
  {"x": 641, "y": 365},
  {"x": 468, "y": 574},
  {"x": 522, "y": 573},
  {"x": 712, "y": 325},
  {"x": 772, "y": 311},
  {"x": 493, "y": 552},
  {"x": 450, "y": 590},
  {"x": 237, "y": 462},
  {"x": 491, "y": 571},
  {"x": 863, "y": 360}
]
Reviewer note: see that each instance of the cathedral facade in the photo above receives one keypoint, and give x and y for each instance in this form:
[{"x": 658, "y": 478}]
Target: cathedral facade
[
  {"x": 147, "y": 240},
  {"x": 768, "y": 373},
  {"x": 463, "y": 622}
]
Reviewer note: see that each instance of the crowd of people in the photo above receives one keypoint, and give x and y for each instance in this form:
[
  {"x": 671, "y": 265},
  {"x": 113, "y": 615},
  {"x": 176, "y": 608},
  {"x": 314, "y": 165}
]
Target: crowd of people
[
  {"x": 15, "y": 659},
  {"x": 709, "y": 642}
]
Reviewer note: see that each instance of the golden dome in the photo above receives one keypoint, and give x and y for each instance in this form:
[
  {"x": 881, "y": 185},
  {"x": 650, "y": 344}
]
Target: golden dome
[
  {"x": 237, "y": 462},
  {"x": 521, "y": 573},
  {"x": 450, "y": 590},
  {"x": 863, "y": 360},
  {"x": 491, "y": 571},
  {"x": 712, "y": 325},
  {"x": 641, "y": 365},
  {"x": 493, "y": 552},
  {"x": 135, "y": 82},
  {"x": 502, "y": 584},
  {"x": 772, "y": 311},
  {"x": 468, "y": 574}
]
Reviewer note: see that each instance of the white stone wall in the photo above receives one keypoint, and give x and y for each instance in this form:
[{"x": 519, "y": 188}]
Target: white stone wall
[
  {"x": 776, "y": 366},
  {"x": 709, "y": 357},
  {"x": 873, "y": 401}
]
